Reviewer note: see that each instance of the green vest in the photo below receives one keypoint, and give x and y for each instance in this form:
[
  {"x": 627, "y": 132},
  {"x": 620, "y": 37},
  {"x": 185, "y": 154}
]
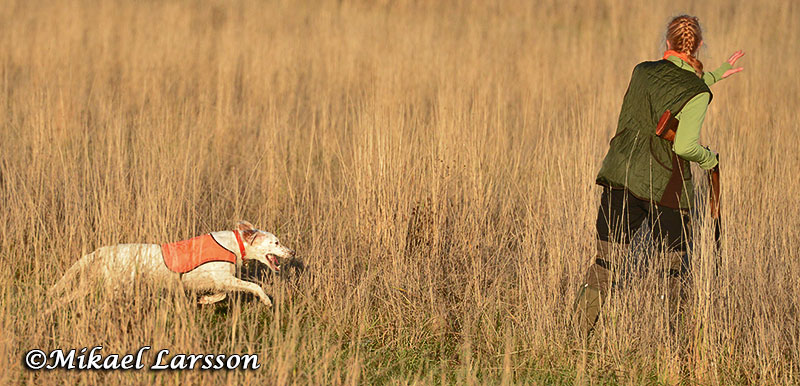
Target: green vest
[{"x": 639, "y": 160}]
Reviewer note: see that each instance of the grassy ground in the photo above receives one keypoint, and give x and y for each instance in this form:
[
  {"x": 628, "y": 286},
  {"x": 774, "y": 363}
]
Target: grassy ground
[{"x": 432, "y": 162}]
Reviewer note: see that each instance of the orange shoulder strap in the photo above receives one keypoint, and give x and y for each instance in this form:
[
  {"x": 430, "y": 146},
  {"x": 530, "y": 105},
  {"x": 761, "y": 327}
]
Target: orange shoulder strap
[{"x": 676, "y": 54}]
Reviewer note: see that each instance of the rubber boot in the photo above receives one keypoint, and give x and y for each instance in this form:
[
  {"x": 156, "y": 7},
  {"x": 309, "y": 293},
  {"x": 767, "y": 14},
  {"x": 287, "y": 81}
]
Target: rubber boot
[
  {"x": 596, "y": 287},
  {"x": 675, "y": 291}
]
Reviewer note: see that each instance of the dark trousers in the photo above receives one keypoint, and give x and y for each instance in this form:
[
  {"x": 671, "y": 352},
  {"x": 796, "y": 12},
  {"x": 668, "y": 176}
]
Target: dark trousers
[
  {"x": 619, "y": 217},
  {"x": 621, "y": 214}
]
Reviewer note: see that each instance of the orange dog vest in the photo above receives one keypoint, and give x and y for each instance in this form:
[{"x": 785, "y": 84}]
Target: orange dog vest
[{"x": 184, "y": 256}]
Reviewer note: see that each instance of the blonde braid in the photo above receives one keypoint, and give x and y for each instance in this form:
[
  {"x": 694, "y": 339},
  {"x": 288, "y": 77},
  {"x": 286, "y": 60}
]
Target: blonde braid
[{"x": 684, "y": 35}]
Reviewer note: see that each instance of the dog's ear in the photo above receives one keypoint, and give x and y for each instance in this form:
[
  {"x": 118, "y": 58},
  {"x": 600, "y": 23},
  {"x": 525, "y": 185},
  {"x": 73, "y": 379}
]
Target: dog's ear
[
  {"x": 245, "y": 226},
  {"x": 250, "y": 235}
]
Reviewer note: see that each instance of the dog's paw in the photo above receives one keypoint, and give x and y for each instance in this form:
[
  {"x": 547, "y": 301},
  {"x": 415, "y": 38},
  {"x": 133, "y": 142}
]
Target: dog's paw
[{"x": 267, "y": 302}]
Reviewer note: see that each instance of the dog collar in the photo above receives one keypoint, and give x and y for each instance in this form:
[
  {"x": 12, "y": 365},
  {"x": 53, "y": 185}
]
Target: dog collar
[{"x": 241, "y": 244}]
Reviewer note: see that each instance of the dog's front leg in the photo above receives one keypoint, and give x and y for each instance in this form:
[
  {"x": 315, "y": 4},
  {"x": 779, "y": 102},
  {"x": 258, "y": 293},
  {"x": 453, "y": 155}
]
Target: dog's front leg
[
  {"x": 234, "y": 284},
  {"x": 213, "y": 298}
]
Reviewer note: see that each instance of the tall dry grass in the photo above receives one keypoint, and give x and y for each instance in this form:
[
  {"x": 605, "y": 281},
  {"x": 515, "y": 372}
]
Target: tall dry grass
[{"x": 432, "y": 162}]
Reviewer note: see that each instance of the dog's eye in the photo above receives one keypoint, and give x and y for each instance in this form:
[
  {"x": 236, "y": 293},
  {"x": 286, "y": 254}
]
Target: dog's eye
[{"x": 276, "y": 243}]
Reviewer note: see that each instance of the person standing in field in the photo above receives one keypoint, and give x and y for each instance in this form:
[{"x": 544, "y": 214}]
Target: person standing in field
[{"x": 648, "y": 179}]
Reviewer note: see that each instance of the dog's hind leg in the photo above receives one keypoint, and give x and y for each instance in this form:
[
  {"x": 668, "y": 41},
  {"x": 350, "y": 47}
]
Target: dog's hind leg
[
  {"x": 59, "y": 302},
  {"x": 72, "y": 273}
]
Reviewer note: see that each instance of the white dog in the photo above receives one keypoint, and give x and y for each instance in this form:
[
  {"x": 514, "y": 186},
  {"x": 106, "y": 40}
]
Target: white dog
[{"x": 204, "y": 263}]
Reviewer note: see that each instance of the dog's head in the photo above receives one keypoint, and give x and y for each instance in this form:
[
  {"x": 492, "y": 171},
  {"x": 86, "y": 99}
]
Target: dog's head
[{"x": 263, "y": 246}]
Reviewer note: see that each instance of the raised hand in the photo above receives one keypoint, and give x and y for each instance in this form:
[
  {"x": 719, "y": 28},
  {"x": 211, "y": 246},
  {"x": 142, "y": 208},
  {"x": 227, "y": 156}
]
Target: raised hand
[{"x": 732, "y": 61}]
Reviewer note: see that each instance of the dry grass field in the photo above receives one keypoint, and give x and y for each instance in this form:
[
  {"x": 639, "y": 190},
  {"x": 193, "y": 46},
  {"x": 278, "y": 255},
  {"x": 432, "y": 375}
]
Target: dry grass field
[{"x": 433, "y": 164}]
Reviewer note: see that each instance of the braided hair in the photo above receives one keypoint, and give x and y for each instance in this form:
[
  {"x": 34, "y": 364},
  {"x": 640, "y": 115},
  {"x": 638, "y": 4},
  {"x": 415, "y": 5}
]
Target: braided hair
[{"x": 684, "y": 36}]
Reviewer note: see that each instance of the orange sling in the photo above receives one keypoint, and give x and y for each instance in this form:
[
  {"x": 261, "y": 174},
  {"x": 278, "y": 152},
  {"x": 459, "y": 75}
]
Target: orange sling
[{"x": 680, "y": 55}]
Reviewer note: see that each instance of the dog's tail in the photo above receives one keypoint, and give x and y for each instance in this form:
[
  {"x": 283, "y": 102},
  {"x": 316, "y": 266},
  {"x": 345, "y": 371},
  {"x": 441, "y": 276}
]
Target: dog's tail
[{"x": 72, "y": 274}]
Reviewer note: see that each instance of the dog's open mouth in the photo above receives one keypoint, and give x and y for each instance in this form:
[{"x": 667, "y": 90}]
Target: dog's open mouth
[{"x": 272, "y": 262}]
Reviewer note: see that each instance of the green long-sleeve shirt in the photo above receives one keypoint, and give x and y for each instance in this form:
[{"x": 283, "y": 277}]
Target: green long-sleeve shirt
[{"x": 691, "y": 118}]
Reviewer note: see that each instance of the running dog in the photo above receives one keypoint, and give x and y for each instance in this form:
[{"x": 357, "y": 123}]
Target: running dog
[{"x": 204, "y": 263}]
